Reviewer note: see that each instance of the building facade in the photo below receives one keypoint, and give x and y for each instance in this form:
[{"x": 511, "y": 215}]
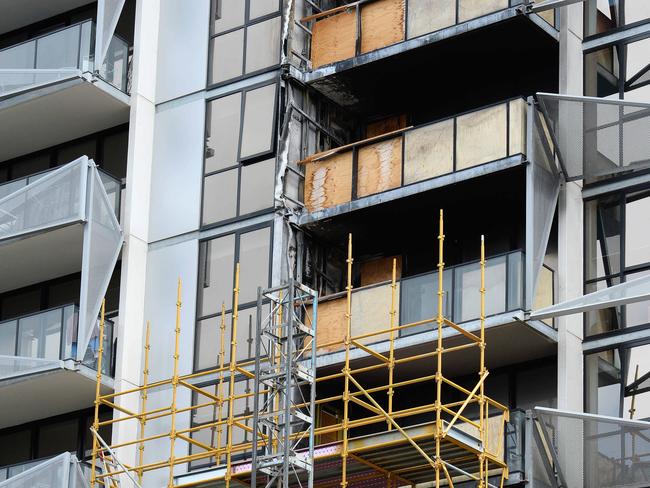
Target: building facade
[{"x": 174, "y": 156}]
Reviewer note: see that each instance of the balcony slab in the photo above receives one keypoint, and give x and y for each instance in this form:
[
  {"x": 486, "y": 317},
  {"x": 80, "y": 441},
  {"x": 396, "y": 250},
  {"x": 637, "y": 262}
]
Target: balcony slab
[{"x": 19, "y": 14}]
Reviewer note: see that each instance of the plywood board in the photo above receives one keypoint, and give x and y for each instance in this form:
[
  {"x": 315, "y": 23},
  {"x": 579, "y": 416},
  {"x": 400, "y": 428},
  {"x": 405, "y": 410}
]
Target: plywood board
[
  {"x": 379, "y": 167},
  {"x": 382, "y": 24},
  {"x": 333, "y": 38},
  {"x": 383, "y": 126},
  {"x": 544, "y": 291},
  {"x": 371, "y": 312},
  {"x": 548, "y": 16},
  {"x": 380, "y": 269},
  {"x": 481, "y": 136},
  {"x": 328, "y": 182},
  {"x": 471, "y": 9},
  {"x": 331, "y": 323},
  {"x": 429, "y": 151},
  {"x": 425, "y": 16},
  {"x": 517, "y": 143},
  {"x": 495, "y": 429}
]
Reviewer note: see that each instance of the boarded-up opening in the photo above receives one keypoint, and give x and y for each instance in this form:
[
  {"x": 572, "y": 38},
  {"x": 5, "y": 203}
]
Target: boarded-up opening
[
  {"x": 380, "y": 269},
  {"x": 334, "y": 38},
  {"x": 325, "y": 418},
  {"x": 382, "y": 24},
  {"x": 328, "y": 182},
  {"x": 471, "y": 9},
  {"x": 425, "y": 16},
  {"x": 371, "y": 312},
  {"x": 330, "y": 323},
  {"x": 385, "y": 125},
  {"x": 379, "y": 167},
  {"x": 517, "y": 132},
  {"x": 481, "y": 136},
  {"x": 429, "y": 151}
]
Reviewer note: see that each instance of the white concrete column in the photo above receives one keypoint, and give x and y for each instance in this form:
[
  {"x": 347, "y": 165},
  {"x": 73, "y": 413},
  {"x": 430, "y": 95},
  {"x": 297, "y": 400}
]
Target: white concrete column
[
  {"x": 570, "y": 258},
  {"x": 129, "y": 362}
]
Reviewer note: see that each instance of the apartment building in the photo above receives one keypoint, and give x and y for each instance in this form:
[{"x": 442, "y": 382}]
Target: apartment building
[{"x": 324, "y": 243}]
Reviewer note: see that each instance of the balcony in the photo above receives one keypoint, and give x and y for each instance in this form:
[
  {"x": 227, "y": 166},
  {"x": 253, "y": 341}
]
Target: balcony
[
  {"x": 416, "y": 159},
  {"x": 54, "y": 79},
  {"x": 416, "y": 306},
  {"x": 56, "y": 224},
  {"x": 357, "y": 53}
]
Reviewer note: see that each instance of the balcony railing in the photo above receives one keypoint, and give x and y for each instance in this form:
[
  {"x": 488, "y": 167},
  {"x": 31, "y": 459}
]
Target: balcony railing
[
  {"x": 60, "y": 54},
  {"x": 416, "y": 303},
  {"x": 52, "y": 334},
  {"x": 367, "y": 25},
  {"x": 415, "y": 154},
  {"x": 111, "y": 184}
]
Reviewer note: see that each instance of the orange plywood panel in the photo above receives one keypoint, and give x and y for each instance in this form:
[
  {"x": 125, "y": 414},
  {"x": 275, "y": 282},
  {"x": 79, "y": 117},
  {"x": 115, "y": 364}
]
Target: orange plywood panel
[
  {"x": 379, "y": 167},
  {"x": 382, "y": 24},
  {"x": 328, "y": 182},
  {"x": 333, "y": 38}
]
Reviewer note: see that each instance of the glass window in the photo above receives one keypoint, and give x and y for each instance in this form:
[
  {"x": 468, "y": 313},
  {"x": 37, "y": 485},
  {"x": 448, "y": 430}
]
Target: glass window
[
  {"x": 71, "y": 152},
  {"x": 20, "y": 303},
  {"x": 8, "y": 338},
  {"x": 39, "y": 335},
  {"x": 606, "y": 15},
  {"x": 257, "y": 130},
  {"x": 637, "y": 231},
  {"x": 419, "y": 300},
  {"x": 59, "y": 49},
  {"x": 617, "y": 382},
  {"x": 241, "y": 31},
  {"x": 58, "y": 437},
  {"x": 15, "y": 447},
  {"x": 115, "y": 151},
  {"x": 467, "y": 285},
  {"x": 220, "y": 196},
  {"x": 30, "y": 165},
  {"x": 234, "y": 185},
  {"x": 254, "y": 250},
  {"x": 222, "y": 132},
  {"x": 216, "y": 274}
]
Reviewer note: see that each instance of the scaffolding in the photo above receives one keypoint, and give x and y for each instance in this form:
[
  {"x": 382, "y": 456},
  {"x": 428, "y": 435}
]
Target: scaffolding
[{"x": 383, "y": 436}]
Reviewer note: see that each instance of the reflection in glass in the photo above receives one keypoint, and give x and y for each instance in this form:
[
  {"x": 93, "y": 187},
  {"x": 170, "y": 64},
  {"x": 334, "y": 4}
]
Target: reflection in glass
[
  {"x": 257, "y": 183},
  {"x": 263, "y": 45},
  {"x": 216, "y": 274},
  {"x": 637, "y": 231},
  {"x": 222, "y": 132},
  {"x": 257, "y": 131},
  {"x": 227, "y": 14},
  {"x": 254, "y": 249},
  {"x": 467, "y": 284},
  {"x": 220, "y": 196},
  {"x": 227, "y": 55}
]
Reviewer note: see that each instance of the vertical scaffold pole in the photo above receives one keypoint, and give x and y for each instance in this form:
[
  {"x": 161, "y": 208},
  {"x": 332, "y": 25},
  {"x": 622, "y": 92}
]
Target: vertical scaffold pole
[
  {"x": 143, "y": 403},
  {"x": 439, "y": 349},
  {"x": 93, "y": 473},
  {"x": 391, "y": 354},
  {"x": 483, "y": 407},
  {"x": 232, "y": 370},
  {"x": 346, "y": 369},
  {"x": 172, "y": 408},
  {"x": 222, "y": 361}
]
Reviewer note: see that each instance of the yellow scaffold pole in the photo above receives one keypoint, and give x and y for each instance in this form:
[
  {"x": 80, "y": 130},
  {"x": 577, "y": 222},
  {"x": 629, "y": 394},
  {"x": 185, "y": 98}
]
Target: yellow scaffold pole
[
  {"x": 144, "y": 395},
  {"x": 483, "y": 407},
  {"x": 222, "y": 361},
  {"x": 93, "y": 473},
  {"x": 346, "y": 369},
  {"x": 439, "y": 349},
  {"x": 232, "y": 370},
  {"x": 391, "y": 354},
  {"x": 172, "y": 408}
]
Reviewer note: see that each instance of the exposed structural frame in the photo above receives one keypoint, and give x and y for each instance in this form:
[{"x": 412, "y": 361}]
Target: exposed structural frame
[
  {"x": 285, "y": 340},
  {"x": 290, "y": 448}
]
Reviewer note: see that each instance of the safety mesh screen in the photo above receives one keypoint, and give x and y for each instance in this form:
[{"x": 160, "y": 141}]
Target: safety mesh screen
[
  {"x": 108, "y": 13},
  {"x": 628, "y": 292},
  {"x": 544, "y": 187},
  {"x": 594, "y": 451},
  {"x": 53, "y": 473},
  {"x": 102, "y": 244},
  {"x": 598, "y": 138},
  {"x": 55, "y": 199},
  {"x": 11, "y": 366},
  {"x": 77, "y": 478}
]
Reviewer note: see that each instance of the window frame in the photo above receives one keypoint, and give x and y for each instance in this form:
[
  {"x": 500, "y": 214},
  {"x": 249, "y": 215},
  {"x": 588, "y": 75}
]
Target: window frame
[
  {"x": 240, "y": 162},
  {"x": 247, "y": 23},
  {"x": 201, "y": 273}
]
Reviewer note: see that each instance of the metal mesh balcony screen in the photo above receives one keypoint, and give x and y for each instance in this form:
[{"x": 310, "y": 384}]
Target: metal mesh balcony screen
[
  {"x": 55, "y": 199},
  {"x": 591, "y": 451},
  {"x": 102, "y": 244},
  {"x": 12, "y": 366},
  {"x": 53, "y": 473},
  {"x": 108, "y": 13},
  {"x": 628, "y": 292},
  {"x": 543, "y": 186},
  {"x": 597, "y": 137}
]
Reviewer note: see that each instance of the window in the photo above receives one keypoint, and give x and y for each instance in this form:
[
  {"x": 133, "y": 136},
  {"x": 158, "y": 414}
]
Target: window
[
  {"x": 606, "y": 15},
  {"x": 617, "y": 243},
  {"x": 244, "y": 38},
  {"x": 617, "y": 382},
  {"x": 217, "y": 260},
  {"x": 239, "y": 168}
]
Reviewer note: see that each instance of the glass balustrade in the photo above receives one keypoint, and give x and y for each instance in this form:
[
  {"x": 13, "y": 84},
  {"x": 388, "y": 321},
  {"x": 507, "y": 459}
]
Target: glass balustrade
[
  {"x": 59, "y": 54},
  {"x": 52, "y": 334}
]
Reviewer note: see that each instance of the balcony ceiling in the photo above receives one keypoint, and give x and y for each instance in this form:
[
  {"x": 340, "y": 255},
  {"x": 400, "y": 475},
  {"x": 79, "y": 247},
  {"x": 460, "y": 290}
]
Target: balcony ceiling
[
  {"x": 40, "y": 257},
  {"x": 41, "y": 395},
  {"x": 19, "y": 13},
  {"x": 52, "y": 114}
]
